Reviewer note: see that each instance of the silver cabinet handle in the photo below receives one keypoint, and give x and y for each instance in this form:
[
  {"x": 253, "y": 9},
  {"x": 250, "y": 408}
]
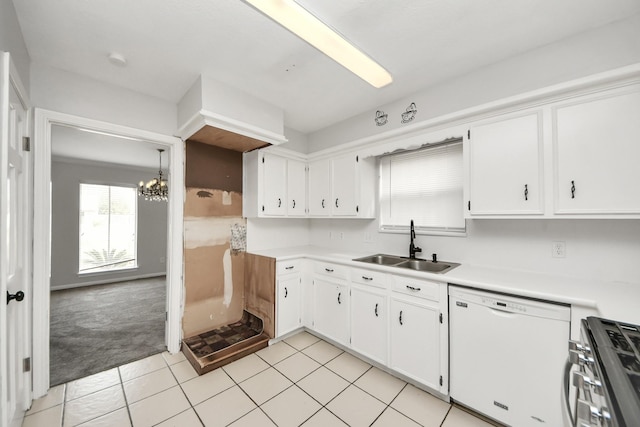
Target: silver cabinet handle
[
  {"x": 400, "y": 319},
  {"x": 375, "y": 310},
  {"x": 322, "y": 203},
  {"x": 526, "y": 192},
  {"x": 286, "y": 292},
  {"x": 290, "y": 267},
  {"x": 336, "y": 203},
  {"x": 279, "y": 202},
  {"x": 294, "y": 203},
  {"x": 339, "y": 293},
  {"x": 412, "y": 288},
  {"x": 367, "y": 278},
  {"x": 329, "y": 270}
]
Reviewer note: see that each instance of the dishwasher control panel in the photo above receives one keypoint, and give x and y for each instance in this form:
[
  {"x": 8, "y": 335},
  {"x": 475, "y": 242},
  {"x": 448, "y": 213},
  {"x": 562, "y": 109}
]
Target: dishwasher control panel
[{"x": 505, "y": 305}]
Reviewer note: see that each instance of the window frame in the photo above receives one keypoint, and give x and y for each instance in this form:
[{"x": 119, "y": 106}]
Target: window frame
[
  {"x": 135, "y": 265},
  {"x": 423, "y": 230}
]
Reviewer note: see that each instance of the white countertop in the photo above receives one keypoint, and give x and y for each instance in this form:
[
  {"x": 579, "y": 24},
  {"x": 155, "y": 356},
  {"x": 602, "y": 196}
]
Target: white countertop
[{"x": 614, "y": 300}]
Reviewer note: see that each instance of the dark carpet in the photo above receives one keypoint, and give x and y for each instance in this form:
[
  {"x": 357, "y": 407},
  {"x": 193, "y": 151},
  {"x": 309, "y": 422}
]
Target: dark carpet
[{"x": 99, "y": 327}]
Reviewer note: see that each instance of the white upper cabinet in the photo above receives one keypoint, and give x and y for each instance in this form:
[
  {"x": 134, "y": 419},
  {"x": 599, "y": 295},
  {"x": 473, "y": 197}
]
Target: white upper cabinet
[
  {"x": 343, "y": 186},
  {"x": 273, "y": 185},
  {"x": 274, "y": 178},
  {"x": 505, "y": 166},
  {"x": 597, "y": 154},
  {"x": 320, "y": 187},
  {"x": 296, "y": 188}
]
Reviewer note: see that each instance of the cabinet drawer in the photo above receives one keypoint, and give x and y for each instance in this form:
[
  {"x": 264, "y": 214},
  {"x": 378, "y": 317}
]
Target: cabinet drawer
[
  {"x": 415, "y": 287},
  {"x": 368, "y": 277},
  {"x": 290, "y": 266},
  {"x": 333, "y": 270}
]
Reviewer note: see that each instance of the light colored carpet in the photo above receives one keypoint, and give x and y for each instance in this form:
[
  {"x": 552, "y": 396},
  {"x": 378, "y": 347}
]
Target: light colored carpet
[{"x": 99, "y": 327}]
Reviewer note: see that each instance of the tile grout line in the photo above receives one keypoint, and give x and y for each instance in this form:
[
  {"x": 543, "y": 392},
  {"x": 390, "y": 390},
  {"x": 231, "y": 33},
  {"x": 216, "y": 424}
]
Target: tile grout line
[
  {"x": 183, "y": 392},
  {"x": 126, "y": 402}
]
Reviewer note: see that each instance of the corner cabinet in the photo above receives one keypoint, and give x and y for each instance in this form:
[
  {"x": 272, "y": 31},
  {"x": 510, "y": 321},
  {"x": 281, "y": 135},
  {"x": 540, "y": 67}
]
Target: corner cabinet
[
  {"x": 505, "y": 166},
  {"x": 596, "y": 151},
  {"x": 273, "y": 185}
]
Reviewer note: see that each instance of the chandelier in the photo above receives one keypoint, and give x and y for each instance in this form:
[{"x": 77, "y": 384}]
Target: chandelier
[{"x": 157, "y": 189}]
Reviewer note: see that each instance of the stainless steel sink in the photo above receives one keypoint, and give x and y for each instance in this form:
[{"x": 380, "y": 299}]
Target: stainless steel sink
[
  {"x": 382, "y": 259},
  {"x": 411, "y": 264},
  {"x": 425, "y": 265}
]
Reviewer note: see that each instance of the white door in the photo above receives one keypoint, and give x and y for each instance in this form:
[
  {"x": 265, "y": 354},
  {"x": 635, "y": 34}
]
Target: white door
[
  {"x": 331, "y": 310},
  {"x": 319, "y": 188},
  {"x": 506, "y": 167},
  {"x": 344, "y": 184},
  {"x": 15, "y": 223},
  {"x": 274, "y": 185},
  {"x": 288, "y": 308},
  {"x": 369, "y": 324},
  {"x": 296, "y": 188}
]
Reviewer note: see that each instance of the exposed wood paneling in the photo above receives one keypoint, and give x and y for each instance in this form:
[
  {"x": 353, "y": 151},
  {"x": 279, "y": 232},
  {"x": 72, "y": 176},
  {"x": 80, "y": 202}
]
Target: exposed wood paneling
[
  {"x": 260, "y": 289},
  {"x": 225, "y": 139}
]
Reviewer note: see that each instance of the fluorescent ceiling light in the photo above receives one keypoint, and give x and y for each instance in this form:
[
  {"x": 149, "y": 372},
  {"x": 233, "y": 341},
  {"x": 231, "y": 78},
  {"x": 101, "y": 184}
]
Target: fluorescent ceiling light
[{"x": 299, "y": 21}]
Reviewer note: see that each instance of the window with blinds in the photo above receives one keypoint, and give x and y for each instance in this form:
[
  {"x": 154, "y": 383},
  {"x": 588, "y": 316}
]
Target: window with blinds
[
  {"x": 108, "y": 218},
  {"x": 424, "y": 185}
]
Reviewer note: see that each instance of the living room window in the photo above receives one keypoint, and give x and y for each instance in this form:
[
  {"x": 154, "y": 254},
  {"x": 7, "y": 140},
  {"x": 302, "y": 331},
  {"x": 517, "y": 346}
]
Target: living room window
[
  {"x": 108, "y": 219},
  {"x": 424, "y": 185}
]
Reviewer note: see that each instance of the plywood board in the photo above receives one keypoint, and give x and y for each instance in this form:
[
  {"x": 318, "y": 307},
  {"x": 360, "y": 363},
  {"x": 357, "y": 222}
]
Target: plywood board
[
  {"x": 222, "y": 138},
  {"x": 260, "y": 289}
]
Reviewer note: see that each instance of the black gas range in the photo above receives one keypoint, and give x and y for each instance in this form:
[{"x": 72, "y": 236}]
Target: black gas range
[{"x": 606, "y": 375}]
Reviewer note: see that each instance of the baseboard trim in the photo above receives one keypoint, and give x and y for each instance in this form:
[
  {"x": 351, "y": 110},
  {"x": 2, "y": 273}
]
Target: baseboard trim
[{"x": 106, "y": 281}]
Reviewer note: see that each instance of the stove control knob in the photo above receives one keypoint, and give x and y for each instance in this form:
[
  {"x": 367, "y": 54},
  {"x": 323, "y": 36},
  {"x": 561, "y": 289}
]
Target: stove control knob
[
  {"x": 575, "y": 345},
  {"x": 578, "y": 358},
  {"x": 591, "y": 414},
  {"x": 584, "y": 382}
]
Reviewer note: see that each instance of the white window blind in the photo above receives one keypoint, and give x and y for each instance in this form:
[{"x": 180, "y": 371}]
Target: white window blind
[
  {"x": 424, "y": 185},
  {"x": 108, "y": 218}
]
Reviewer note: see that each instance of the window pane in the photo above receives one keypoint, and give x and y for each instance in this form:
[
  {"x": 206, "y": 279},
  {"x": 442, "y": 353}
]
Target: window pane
[
  {"x": 107, "y": 228},
  {"x": 424, "y": 185}
]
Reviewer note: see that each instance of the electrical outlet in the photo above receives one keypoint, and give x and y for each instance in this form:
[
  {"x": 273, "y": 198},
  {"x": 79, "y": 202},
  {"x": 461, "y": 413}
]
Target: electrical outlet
[
  {"x": 368, "y": 237},
  {"x": 558, "y": 250}
]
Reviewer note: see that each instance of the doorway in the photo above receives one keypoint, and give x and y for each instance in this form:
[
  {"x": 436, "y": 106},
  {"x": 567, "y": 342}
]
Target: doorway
[
  {"x": 45, "y": 124},
  {"x": 108, "y": 257}
]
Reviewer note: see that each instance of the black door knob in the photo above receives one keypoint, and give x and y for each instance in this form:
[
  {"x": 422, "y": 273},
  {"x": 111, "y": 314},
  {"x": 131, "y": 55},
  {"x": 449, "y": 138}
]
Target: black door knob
[{"x": 18, "y": 296}]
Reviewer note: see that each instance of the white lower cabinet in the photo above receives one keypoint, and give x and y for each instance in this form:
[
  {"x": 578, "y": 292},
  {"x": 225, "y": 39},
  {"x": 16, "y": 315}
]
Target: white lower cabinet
[
  {"x": 369, "y": 323},
  {"x": 415, "y": 341},
  {"x": 289, "y": 291},
  {"x": 331, "y": 309}
]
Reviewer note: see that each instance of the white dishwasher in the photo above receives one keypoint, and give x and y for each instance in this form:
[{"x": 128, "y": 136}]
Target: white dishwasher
[{"x": 507, "y": 356}]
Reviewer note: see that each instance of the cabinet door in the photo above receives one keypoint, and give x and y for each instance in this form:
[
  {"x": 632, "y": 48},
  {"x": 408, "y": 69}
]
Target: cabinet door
[
  {"x": 597, "y": 153},
  {"x": 274, "y": 185},
  {"x": 415, "y": 341},
  {"x": 369, "y": 324},
  {"x": 344, "y": 185},
  {"x": 296, "y": 188},
  {"x": 320, "y": 188},
  {"x": 331, "y": 310},
  {"x": 505, "y": 172},
  {"x": 288, "y": 308}
]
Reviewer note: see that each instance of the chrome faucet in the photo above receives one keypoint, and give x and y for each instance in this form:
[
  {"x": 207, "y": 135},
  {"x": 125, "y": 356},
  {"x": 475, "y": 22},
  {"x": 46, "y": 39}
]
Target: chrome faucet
[{"x": 413, "y": 249}]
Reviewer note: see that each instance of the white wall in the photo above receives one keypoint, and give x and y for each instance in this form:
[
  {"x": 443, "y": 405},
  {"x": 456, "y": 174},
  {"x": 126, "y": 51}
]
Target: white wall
[
  {"x": 152, "y": 223},
  {"x": 65, "y": 92},
  {"x": 11, "y": 41},
  {"x": 601, "y": 49},
  {"x": 297, "y": 141},
  {"x": 596, "y": 249},
  {"x": 273, "y": 233}
]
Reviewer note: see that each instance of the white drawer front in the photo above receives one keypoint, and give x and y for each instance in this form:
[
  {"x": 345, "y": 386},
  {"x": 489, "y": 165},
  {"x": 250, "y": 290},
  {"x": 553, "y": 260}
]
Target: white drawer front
[
  {"x": 289, "y": 266},
  {"x": 333, "y": 270},
  {"x": 368, "y": 277},
  {"x": 419, "y": 288}
]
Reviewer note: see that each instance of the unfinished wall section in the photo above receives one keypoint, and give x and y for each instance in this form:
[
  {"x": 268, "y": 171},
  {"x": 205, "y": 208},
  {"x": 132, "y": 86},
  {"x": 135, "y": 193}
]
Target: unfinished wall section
[{"x": 214, "y": 238}]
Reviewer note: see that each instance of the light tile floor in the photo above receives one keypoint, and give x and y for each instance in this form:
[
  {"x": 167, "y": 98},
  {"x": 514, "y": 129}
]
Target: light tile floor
[{"x": 299, "y": 381}]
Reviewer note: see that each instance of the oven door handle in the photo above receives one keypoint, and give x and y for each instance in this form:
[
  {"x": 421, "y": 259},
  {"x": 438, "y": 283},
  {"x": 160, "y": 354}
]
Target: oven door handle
[{"x": 566, "y": 386}]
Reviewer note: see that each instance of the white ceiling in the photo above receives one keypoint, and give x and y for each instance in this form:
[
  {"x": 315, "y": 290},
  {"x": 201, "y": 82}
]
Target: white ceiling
[
  {"x": 78, "y": 145},
  {"x": 169, "y": 43}
]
